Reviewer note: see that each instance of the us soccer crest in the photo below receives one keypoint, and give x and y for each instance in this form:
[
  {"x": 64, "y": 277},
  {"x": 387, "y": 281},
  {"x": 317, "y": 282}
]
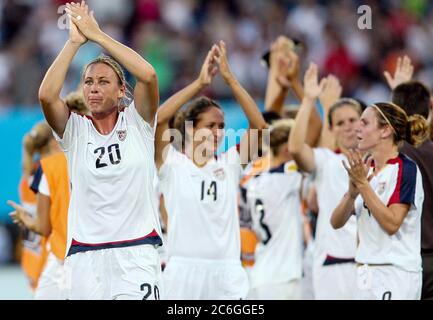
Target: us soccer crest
[
  {"x": 121, "y": 134},
  {"x": 220, "y": 174}
]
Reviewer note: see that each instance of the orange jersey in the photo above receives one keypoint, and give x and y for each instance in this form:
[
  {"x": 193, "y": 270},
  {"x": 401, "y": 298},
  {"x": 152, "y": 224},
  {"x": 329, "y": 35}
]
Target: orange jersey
[
  {"x": 55, "y": 170},
  {"x": 34, "y": 253}
]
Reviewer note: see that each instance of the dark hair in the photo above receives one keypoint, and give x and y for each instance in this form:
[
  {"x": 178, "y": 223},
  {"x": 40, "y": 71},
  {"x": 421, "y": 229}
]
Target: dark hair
[
  {"x": 355, "y": 104},
  {"x": 270, "y": 116},
  {"x": 413, "y": 97},
  {"x": 192, "y": 113},
  {"x": 413, "y": 129}
]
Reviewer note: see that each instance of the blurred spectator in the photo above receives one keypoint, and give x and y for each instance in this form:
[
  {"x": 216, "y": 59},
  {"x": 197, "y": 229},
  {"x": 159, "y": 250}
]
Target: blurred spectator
[{"x": 175, "y": 34}]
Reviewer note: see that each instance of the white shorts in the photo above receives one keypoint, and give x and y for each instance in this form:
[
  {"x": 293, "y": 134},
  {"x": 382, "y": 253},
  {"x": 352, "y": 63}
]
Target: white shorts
[
  {"x": 52, "y": 283},
  {"x": 278, "y": 291},
  {"x": 334, "y": 282},
  {"x": 129, "y": 273},
  {"x": 201, "y": 279},
  {"x": 387, "y": 283}
]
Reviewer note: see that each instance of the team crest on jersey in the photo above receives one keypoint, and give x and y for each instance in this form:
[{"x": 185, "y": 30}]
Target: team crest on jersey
[
  {"x": 121, "y": 134},
  {"x": 220, "y": 174},
  {"x": 381, "y": 188}
]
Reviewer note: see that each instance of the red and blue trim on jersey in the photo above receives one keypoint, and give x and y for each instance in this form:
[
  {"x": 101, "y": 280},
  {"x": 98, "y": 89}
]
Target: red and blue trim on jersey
[
  {"x": 405, "y": 187},
  {"x": 152, "y": 238}
]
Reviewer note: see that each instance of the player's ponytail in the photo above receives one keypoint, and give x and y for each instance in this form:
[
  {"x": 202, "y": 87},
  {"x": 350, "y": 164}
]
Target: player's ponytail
[
  {"x": 35, "y": 141},
  {"x": 417, "y": 130}
]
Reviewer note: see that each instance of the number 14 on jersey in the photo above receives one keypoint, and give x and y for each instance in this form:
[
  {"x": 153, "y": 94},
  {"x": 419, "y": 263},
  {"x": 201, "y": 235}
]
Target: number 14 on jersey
[{"x": 208, "y": 191}]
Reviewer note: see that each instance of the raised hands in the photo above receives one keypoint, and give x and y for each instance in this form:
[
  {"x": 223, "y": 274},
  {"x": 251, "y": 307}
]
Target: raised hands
[
  {"x": 75, "y": 36},
  {"x": 83, "y": 19},
  {"x": 284, "y": 62},
  {"x": 209, "y": 68},
  {"x": 403, "y": 72},
  {"x": 223, "y": 63},
  {"x": 357, "y": 170},
  {"x": 331, "y": 92},
  {"x": 312, "y": 87}
]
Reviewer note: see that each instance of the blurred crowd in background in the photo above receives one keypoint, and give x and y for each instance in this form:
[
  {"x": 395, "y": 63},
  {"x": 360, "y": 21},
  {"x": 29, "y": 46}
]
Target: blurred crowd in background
[{"x": 174, "y": 35}]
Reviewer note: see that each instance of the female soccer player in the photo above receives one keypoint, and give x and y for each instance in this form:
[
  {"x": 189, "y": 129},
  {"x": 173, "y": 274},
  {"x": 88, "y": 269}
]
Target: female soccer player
[
  {"x": 113, "y": 224},
  {"x": 200, "y": 190},
  {"x": 387, "y": 200},
  {"x": 274, "y": 197},
  {"x": 334, "y": 270}
]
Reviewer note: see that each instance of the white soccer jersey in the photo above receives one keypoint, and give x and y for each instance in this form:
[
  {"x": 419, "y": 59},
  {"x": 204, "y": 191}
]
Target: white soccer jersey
[
  {"x": 331, "y": 182},
  {"x": 112, "y": 183},
  {"x": 275, "y": 202},
  {"x": 202, "y": 205},
  {"x": 398, "y": 182}
]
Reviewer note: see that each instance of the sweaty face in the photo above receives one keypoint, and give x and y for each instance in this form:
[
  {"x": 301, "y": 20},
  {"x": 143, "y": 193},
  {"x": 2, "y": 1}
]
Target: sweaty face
[
  {"x": 209, "y": 130},
  {"x": 101, "y": 88},
  {"x": 345, "y": 122},
  {"x": 369, "y": 134}
]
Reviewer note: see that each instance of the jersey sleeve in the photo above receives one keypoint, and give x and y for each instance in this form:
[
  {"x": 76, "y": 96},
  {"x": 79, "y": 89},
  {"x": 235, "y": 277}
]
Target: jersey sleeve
[
  {"x": 71, "y": 132},
  {"x": 405, "y": 186},
  {"x": 146, "y": 130}
]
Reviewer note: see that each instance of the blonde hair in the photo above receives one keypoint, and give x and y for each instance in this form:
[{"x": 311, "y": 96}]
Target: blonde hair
[
  {"x": 35, "y": 141},
  {"x": 113, "y": 64},
  {"x": 413, "y": 129},
  {"x": 109, "y": 61},
  {"x": 75, "y": 103},
  {"x": 280, "y": 131}
]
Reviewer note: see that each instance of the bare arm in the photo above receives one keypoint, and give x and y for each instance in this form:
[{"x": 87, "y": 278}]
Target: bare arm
[
  {"x": 330, "y": 95},
  {"x": 146, "y": 94},
  {"x": 249, "y": 107},
  {"x": 283, "y": 74},
  {"x": 343, "y": 211},
  {"x": 169, "y": 108},
  {"x": 298, "y": 147},
  {"x": 390, "y": 218},
  {"x": 55, "y": 111}
]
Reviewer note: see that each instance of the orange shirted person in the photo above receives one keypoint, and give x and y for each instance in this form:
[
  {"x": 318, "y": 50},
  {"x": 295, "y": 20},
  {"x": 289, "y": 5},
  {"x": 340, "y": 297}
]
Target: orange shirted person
[{"x": 34, "y": 252}]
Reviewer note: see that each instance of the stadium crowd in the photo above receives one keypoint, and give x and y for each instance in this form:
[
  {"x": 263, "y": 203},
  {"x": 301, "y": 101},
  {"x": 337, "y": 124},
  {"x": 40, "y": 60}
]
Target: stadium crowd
[{"x": 335, "y": 203}]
